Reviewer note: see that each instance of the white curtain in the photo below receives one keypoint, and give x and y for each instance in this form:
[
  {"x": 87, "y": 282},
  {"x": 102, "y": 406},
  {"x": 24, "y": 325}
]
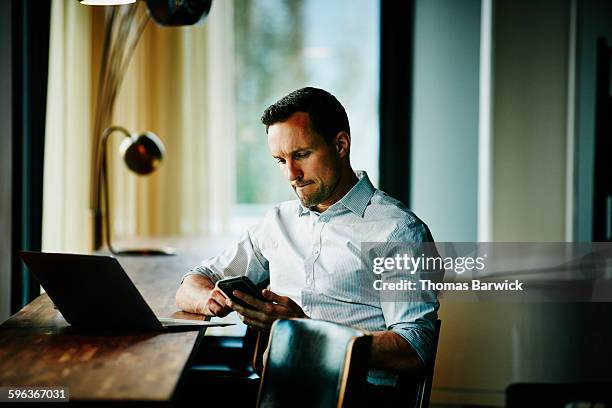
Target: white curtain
[{"x": 66, "y": 224}]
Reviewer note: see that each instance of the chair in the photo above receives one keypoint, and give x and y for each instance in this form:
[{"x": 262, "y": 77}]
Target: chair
[
  {"x": 222, "y": 364},
  {"x": 422, "y": 389},
  {"x": 314, "y": 363},
  {"x": 226, "y": 356}
]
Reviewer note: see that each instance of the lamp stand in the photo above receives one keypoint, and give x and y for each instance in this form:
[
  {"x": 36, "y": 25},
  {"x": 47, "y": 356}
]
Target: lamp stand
[{"x": 107, "y": 215}]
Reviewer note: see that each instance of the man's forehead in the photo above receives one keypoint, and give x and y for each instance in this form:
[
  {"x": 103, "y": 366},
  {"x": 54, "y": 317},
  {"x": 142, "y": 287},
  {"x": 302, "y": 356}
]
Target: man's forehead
[
  {"x": 293, "y": 134},
  {"x": 289, "y": 144},
  {"x": 297, "y": 121},
  {"x": 300, "y": 119}
]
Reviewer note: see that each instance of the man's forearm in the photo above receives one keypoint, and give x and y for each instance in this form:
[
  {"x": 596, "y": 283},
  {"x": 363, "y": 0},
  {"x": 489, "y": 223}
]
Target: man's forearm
[
  {"x": 192, "y": 294},
  {"x": 390, "y": 351}
]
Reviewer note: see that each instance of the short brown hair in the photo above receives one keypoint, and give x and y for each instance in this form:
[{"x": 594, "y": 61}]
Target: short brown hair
[{"x": 327, "y": 115}]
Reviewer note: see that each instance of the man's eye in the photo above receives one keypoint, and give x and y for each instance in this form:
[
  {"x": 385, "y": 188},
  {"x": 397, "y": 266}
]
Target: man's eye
[
  {"x": 280, "y": 161},
  {"x": 302, "y": 155}
]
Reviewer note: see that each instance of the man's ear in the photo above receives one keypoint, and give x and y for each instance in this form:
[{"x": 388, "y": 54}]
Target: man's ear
[{"x": 342, "y": 144}]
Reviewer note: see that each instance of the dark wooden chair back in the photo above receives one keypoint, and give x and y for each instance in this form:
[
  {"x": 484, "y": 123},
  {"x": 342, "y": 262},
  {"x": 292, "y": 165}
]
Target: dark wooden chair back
[
  {"x": 260, "y": 345},
  {"x": 424, "y": 388},
  {"x": 314, "y": 363}
]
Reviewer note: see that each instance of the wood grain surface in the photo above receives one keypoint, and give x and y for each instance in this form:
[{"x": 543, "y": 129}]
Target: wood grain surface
[{"x": 38, "y": 347}]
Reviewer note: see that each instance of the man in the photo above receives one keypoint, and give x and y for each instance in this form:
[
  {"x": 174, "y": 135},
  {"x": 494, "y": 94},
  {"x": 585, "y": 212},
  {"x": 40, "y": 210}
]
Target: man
[{"x": 308, "y": 250}]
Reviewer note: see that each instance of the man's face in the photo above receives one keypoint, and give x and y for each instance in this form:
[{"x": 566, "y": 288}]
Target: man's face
[{"x": 311, "y": 165}]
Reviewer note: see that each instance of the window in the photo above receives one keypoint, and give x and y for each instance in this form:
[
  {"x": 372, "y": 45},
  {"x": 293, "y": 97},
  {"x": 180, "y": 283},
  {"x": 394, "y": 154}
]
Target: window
[{"x": 283, "y": 45}]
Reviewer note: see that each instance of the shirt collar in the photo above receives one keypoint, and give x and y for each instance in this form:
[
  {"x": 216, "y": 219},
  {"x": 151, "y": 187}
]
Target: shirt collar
[{"x": 356, "y": 200}]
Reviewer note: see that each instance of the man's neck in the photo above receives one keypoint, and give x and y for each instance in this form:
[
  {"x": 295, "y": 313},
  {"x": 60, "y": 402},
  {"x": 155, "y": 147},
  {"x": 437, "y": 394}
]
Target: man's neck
[{"x": 348, "y": 179}]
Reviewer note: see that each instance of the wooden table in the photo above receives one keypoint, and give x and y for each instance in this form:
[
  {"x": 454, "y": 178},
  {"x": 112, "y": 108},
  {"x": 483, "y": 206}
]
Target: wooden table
[{"x": 38, "y": 347}]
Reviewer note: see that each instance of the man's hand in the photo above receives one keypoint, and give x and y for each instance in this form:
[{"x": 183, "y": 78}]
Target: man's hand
[
  {"x": 215, "y": 304},
  {"x": 197, "y": 294},
  {"x": 262, "y": 314}
]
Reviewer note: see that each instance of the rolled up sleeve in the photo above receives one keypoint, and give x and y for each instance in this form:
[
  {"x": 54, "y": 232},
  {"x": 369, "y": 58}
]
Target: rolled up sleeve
[
  {"x": 241, "y": 259},
  {"x": 417, "y": 328},
  {"x": 412, "y": 314}
]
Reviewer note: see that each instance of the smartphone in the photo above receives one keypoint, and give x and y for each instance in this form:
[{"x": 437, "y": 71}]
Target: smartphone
[{"x": 243, "y": 284}]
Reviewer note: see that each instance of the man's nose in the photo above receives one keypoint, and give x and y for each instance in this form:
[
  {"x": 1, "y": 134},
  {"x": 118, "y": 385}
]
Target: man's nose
[{"x": 294, "y": 172}]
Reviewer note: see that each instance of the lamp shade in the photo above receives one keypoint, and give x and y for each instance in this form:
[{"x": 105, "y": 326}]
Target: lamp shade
[
  {"x": 178, "y": 13},
  {"x": 142, "y": 152},
  {"x": 106, "y": 2}
]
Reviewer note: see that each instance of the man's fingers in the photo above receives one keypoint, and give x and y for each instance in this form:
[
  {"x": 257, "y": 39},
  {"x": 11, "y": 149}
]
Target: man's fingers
[
  {"x": 218, "y": 296},
  {"x": 255, "y": 323},
  {"x": 250, "y": 313},
  {"x": 219, "y": 308},
  {"x": 216, "y": 303},
  {"x": 282, "y": 300},
  {"x": 284, "y": 305},
  {"x": 255, "y": 303},
  {"x": 260, "y": 313},
  {"x": 215, "y": 308},
  {"x": 252, "y": 317}
]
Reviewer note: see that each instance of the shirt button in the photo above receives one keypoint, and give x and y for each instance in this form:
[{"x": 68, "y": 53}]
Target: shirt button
[{"x": 316, "y": 252}]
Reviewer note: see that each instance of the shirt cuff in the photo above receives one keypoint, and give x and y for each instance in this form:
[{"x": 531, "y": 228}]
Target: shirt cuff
[
  {"x": 381, "y": 377},
  {"x": 417, "y": 339}
]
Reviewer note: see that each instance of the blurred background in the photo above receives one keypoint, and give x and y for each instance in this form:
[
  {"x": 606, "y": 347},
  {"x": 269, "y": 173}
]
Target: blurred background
[{"x": 490, "y": 119}]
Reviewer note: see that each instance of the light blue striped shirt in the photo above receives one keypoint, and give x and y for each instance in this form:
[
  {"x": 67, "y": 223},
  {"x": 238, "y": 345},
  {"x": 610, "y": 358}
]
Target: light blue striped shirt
[{"x": 316, "y": 260}]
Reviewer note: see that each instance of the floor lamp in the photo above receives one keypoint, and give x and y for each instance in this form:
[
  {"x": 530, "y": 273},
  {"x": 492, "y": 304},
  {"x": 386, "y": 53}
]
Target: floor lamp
[{"x": 122, "y": 29}]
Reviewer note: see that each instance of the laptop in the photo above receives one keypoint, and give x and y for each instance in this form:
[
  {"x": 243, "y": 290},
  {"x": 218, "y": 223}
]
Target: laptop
[{"x": 94, "y": 292}]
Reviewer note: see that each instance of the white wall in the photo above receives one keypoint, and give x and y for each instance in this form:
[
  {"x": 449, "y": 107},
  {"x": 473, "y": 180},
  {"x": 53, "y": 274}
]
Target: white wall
[
  {"x": 444, "y": 166},
  {"x": 531, "y": 54},
  {"x": 5, "y": 158},
  {"x": 444, "y": 182}
]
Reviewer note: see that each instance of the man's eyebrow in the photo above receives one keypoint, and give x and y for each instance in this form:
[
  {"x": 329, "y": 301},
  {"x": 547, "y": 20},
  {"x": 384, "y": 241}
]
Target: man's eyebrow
[{"x": 299, "y": 149}]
